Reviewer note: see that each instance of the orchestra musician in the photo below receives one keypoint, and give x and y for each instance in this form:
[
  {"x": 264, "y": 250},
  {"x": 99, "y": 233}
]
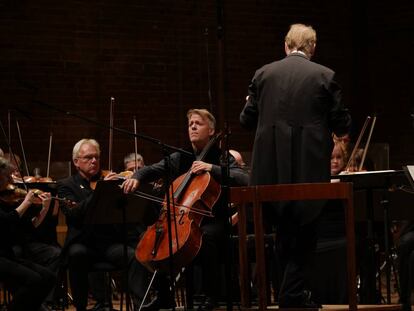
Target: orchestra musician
[
  {"x": 87, "y": 244},
  {"x": 133, "y": 161},
  {"x": 294, "y": 105},
  {"x": 201, "y": 128},
  {"x": 39, "y": 244},
  {"x": 29, "y": 282}
]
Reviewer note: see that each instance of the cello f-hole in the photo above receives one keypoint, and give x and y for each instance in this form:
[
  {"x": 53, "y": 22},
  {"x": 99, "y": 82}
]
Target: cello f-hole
[{"x": 180, "y": 220}]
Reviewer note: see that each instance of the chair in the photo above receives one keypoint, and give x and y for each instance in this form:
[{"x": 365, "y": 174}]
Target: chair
[
  {"x": 5, "y": 297},
  {"x": 107, "y": 268}
]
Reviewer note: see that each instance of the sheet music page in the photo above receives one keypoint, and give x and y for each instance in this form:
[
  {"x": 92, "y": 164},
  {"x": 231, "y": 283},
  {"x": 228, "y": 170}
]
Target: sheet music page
[
  {"x": 367, "y": 172},
  {"x": 411, "y": 171}
]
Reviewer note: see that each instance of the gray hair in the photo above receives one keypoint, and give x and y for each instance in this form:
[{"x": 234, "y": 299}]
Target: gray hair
[
  {"x": 78, "y": 145},
  {"x": 131, "y": 158}
]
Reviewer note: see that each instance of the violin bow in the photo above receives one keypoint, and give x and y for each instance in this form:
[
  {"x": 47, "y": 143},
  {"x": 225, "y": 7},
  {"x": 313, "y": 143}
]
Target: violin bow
[
  {"x": 367, "y": 143},
  {"x": 9, "y": 128},
  {"x": 12, "y": 155},
  {"x": 21, "y": 145},
  {"x": 136, "y": 143},
  {"x": 111, "y": 132},
  {"x": 49, "y": 154},
  {"x": 352, "y": 157}
]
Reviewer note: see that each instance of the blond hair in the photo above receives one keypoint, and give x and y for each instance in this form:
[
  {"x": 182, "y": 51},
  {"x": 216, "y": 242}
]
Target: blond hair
[
  {"x": 301, "y": 38},
  {"x": 205, "y": 115}
]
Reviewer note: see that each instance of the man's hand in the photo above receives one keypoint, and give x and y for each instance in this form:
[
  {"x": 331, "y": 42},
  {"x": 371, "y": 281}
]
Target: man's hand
[
  {"x": 199, "y": 167},
  {"x": 111, "y": 176},
  {"x": 130, "y": 185}
]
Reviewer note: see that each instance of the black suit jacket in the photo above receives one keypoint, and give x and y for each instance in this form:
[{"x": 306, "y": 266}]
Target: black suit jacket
[
  {"x": 294, "y": 105},
  {"x": 78, "y": 190}
]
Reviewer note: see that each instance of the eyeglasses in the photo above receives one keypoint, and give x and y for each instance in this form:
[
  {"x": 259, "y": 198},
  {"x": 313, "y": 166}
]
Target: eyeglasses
[{"x": 89, "y": 158}]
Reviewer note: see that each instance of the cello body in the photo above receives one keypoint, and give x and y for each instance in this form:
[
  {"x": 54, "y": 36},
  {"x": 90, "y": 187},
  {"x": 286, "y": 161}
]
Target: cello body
[{"x": 195, "y": 193}]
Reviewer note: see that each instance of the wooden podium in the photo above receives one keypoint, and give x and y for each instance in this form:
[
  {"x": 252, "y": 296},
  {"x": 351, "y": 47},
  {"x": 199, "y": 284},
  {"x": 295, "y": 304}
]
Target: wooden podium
[{"x": 288, "y": 192}]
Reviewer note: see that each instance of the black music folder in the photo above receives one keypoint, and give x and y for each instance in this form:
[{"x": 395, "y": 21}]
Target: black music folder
[{"x": 109, "y": 202}]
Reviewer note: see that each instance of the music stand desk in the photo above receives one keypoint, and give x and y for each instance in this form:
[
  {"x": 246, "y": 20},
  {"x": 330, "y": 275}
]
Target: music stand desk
[{"x": 288, "y": 192}]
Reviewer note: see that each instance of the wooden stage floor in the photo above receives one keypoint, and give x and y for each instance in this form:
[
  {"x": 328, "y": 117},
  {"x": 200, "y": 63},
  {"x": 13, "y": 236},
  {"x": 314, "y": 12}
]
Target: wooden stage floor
[{"x": 393, "y": 307}]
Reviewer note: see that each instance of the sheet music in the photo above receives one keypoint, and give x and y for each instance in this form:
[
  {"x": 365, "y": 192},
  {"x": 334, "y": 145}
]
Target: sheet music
[{"x": 367, "y": 172}]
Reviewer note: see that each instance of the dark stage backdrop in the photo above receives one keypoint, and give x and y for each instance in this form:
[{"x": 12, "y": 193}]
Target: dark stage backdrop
[{"x": 159, "y": 58}]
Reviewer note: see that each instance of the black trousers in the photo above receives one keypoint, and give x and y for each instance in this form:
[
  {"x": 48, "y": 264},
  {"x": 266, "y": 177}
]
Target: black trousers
[
  {"x": 29, "y": 282},
  {"x": 295, "y": 245},
  {"x": 406, "y": 268},
  {"x": 82, "y": 257},
  {"x": 211, "y": 256},
  {"x": 46, "y": 255}
]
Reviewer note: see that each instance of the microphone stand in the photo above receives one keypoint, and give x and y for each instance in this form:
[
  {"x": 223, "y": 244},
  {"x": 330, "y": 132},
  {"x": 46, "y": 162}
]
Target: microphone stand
[{"x": 225, "y": 187}]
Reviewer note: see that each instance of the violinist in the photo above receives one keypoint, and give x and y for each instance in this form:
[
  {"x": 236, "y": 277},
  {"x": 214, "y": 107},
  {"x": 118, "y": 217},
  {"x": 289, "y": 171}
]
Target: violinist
[
  {"x": 201, "y": 128},
  {"x": 89, "y": 243},
  {"x": 29, "y": 282},
  {"x": 39, "y": 244}
]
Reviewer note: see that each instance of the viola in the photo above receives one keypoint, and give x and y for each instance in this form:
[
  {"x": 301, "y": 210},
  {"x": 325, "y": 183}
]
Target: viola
[{"x": 194, "y": 198}]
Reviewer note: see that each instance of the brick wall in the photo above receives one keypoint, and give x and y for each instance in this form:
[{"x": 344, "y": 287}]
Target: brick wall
[{"x": 160, "y": 58}]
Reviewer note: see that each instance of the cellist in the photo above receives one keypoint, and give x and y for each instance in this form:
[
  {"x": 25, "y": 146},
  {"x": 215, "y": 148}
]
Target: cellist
[{"x": 201, "y": 128}]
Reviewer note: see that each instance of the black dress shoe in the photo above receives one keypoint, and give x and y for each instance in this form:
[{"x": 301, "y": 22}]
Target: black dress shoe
[
  {"x": 304, "y": 301},
  {"x": 44, "y": 307},
  {"x": 208, "y": 304},
  {"x": 101, "y": 306},
  {"x": 158, "y": 303}
]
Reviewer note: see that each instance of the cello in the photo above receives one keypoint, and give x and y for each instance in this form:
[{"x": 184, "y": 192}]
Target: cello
[{"x": 194, "y": 198}]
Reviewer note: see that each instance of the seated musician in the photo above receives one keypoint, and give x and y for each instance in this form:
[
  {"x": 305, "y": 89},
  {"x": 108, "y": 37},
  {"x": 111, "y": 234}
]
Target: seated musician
[
  {"x": 201, "y": 128},
  {"x": 29, "y": 282},
  {"x": 85, "y": 243},
  {"x": 133, "y": 161},
  {"x": 39, "y": 245}
]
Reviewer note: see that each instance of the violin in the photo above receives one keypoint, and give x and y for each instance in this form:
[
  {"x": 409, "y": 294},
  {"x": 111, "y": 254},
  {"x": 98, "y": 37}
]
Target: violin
[
  {"x": 121, "y": 176},
  {"x": 194, "y": 198},
  {"x": 31, "y": 179},
  {"x": 13, "y": 195}
]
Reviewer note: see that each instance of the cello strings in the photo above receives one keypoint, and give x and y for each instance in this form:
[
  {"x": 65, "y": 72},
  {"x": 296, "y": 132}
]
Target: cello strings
[{"x": 158, "y": 200}]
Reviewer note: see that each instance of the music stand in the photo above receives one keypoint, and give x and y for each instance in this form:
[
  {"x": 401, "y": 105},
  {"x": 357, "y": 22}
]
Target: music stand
[{"x": 109, "y": 205}]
